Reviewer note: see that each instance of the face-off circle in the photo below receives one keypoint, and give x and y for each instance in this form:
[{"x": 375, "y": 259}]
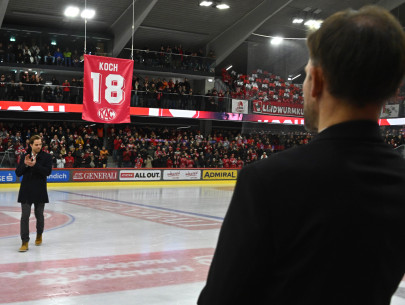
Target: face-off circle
[{"x": 10, "y": 220}]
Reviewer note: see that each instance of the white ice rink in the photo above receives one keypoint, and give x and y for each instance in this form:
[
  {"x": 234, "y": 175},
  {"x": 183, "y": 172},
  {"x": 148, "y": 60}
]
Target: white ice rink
[{"x": 115, "y": 245}]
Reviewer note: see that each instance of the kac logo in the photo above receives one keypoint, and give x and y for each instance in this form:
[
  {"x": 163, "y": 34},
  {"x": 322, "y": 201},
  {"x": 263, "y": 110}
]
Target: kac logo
[
  {"x": 7, "y": 177},
  {"x": 106, "y": 114}
]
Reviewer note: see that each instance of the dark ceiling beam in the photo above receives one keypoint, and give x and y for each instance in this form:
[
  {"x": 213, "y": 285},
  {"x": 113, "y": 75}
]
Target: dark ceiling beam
[
  {"x": 224, "y": 44},
  {"x": 122, "y": 28},
  {"x": 390, "y": 4},
  {"x": 3, "y": 8}
]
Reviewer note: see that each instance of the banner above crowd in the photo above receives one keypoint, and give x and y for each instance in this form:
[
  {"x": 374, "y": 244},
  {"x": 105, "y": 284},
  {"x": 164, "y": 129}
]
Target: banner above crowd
[
  {"x": 107, "y": 89},
  {"x": 277, "y": 108}
]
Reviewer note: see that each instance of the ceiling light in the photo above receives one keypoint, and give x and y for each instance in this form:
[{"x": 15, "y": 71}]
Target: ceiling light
[
  {"x": 276, "y": 40},
  {"x": 229, "y": 67},
  {"x": 72, "y": 11},
  {"x": 205, "y": 3},
  {"x": 313, "y": 24},
  {"x": 222, "y": 6},
  {"x": 297, "y": 20},
  {"x": 88, "y": 13}
]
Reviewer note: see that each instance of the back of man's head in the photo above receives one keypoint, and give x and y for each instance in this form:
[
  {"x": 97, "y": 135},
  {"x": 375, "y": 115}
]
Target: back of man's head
[{"x": 361, "y": 53}]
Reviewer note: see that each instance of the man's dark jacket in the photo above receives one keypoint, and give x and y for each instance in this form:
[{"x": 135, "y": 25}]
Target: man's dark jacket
[
  {"x": 33, "y": 187},
  {"x": 320, "y": 224}
]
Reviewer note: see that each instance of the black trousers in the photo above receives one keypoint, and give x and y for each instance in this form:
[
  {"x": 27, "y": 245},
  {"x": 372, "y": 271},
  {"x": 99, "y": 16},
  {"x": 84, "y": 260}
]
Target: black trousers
[{"x": 25, "y": 219}]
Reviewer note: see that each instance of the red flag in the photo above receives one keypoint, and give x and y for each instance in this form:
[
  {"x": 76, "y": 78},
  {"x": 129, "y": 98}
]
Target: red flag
[{"x": 107, "y": 89}]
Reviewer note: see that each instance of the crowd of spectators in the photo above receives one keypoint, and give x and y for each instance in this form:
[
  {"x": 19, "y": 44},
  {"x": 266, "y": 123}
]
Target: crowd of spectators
[
  {"x": 31, "y": 53},
  {"x": 175, "y": 58},
  {"x": 85, "y": 146},
  {"x": 167, "y": 57},
  {"x": 147, "y": 92},
  {"x": 34, "y": 88},
  {"x": 262, "y": 85}
]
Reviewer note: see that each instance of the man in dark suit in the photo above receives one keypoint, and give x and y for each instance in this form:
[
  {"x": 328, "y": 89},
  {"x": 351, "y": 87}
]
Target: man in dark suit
[
  {"x": 323, "y": 223},
  {"x": 35, "y": 167}
]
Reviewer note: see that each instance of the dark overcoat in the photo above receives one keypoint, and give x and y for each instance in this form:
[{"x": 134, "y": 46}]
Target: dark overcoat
[
  {"x": 320, "y": 224},
  {"x": 33, "y": 188}
]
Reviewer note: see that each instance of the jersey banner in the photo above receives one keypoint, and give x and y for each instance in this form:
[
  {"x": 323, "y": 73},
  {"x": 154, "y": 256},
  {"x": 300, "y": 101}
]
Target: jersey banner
[{"x": 107, "y": 89}]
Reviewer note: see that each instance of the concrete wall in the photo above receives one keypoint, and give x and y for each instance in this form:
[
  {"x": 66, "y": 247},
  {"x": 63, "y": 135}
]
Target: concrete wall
[{"x": 285, "y": 59}]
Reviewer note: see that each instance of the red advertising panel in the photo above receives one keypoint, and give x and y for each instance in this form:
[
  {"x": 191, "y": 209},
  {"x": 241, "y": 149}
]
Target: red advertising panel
[
  {"x": 94, "y": 175},
  {"x": 107, "y": 89},
  {"x": 172, "y": 113}
]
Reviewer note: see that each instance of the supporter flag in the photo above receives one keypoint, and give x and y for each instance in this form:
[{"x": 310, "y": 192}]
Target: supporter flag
[{"x": 107, "y": 89}]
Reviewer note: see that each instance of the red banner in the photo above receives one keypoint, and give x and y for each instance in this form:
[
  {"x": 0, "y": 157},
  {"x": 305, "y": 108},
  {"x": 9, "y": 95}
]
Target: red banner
[{"x": 107, "y": 89}]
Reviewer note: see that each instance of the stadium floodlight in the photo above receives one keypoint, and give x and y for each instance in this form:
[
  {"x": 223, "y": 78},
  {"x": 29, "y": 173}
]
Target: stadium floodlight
[
  {"x": 222, "y": 6},
  {"x": 88, "y": 13},
  {"x": 205, "y": 3},
  {"x": 72, "y": 11},
  {"x": 298, "y": 20},
  {"x": 276, "y": 40}
]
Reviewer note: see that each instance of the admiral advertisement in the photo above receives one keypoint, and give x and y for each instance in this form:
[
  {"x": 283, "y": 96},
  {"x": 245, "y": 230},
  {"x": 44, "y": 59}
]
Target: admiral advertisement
[
  {"x": 140, "y": 175},
  {"x": 183, "y": 174},
  {"x": 220, "y": 174}
]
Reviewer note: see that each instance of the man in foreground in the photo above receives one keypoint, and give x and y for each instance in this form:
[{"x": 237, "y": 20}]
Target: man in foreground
[
  {"x": 323, "y": 224},
  {"x": 35, "y": 167}
]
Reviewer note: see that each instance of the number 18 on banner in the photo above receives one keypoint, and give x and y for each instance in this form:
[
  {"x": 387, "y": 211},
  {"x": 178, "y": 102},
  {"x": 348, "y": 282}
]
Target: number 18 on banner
[{"x": 107, "y": 89}]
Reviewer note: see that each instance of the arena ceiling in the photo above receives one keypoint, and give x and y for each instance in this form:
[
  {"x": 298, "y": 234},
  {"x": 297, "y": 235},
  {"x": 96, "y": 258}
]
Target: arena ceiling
[{"x": 177, "y": 21}]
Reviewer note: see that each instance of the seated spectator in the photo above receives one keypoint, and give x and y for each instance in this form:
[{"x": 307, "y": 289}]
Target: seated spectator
[
  {"x": 76, "y": 59},
  {"x": 36, "y": 53},
  {"x": 10, "y": 53},
  {"x": 68, "y": 57},
  {"x": 49, "y": 57},
  {"x": 58, "y": 57}
]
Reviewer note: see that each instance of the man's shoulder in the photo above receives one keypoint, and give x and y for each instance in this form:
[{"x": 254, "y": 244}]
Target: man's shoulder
[{"x": 284, "y": 160}]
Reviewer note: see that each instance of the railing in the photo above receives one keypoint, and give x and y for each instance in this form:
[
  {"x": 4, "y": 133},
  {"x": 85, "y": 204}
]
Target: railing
[
  {"x": 143, "y": 60},
  {"x": 167, "y": 98},
  {"x": 171, "y": 62}
]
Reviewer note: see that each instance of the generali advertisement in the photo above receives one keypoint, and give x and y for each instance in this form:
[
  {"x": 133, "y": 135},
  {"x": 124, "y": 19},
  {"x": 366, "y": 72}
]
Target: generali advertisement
[{"x": 94, "y": 175}]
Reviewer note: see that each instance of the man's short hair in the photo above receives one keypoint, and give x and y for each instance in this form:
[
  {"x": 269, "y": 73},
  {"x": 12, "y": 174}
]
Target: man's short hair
[
  {"x": 361, "y": 53},
  {"x": 33, "y": 138}
]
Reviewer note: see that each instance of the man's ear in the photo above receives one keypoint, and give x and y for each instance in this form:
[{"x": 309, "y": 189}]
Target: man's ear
[{"x": 318, "y": 81}]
